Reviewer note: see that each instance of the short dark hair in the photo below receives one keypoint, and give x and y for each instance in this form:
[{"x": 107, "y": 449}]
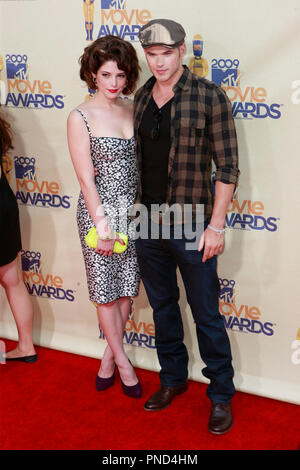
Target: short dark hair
[{"x": 110, "y": 48}]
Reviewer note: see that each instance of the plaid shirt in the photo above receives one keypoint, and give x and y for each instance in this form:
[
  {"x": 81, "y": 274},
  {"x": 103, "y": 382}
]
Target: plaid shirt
[{"x": 201, "y": 129}]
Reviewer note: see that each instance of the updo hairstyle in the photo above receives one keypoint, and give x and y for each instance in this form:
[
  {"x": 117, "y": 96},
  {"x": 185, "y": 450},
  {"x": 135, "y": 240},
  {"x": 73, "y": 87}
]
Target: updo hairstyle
[{"x": 110, "y": 48}]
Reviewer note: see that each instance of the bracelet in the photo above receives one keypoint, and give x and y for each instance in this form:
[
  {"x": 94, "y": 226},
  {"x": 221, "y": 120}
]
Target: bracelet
[
  {"x": 106, "y": 237},
  {"x": 220, "y": 231}
]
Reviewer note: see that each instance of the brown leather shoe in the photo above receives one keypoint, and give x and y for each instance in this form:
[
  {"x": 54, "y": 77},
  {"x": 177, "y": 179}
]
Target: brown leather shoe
[
  {"x": 220, "y": 420},
  {"x": 163, "y": 397}
]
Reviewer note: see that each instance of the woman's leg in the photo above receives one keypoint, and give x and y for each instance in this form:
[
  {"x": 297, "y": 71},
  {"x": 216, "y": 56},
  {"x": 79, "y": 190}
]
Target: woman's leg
[
  {"x": 108, "y": 362},
  {"x": 112, "y": 321},
  {"x": 21, "y": 307}
]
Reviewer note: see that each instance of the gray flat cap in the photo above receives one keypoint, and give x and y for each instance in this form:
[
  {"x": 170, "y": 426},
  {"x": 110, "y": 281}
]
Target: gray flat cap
[{"x": 161, "y": 32}]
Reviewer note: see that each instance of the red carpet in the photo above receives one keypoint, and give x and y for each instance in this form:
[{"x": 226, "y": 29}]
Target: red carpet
[{"x": 53, "y": 404}]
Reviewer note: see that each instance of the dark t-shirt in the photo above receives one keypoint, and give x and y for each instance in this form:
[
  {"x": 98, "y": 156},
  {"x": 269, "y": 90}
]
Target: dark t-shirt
[
  {"x": 155, "y": 145},
  {"x": 10, "y": 236}
]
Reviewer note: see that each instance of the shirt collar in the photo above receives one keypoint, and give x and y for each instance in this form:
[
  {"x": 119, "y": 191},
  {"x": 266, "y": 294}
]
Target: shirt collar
[{"x": 185, "y": 79}]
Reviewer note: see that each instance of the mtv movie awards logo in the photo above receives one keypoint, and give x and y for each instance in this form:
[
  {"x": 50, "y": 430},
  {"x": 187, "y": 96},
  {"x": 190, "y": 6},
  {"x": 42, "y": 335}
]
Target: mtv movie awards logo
[
  {"x": 248, "y": 102},
  {"x": 35, "y": 192},
  {"x": 115, "y": 18},
  {"x": 25, "y": 92},
  {"x": 139, "y": 334},
  {"x": 39, "y": 284},
  {"x": 249, "y": 215},
  {"x": 240, "y": 317},
  {"x": 245, "y": 214}
]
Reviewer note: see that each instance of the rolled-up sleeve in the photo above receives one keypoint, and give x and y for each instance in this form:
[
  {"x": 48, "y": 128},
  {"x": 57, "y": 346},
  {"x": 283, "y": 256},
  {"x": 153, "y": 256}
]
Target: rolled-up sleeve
[{"x": 223, "y": 138}]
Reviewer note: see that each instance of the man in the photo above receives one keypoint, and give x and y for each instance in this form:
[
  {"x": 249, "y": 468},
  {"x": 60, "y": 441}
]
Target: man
[{"x": 182, "y": 123}]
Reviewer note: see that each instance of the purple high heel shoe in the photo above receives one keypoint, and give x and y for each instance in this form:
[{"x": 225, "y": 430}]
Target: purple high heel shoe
[
  {"x": 132, "y": 391},
  {"x": 105, "y": 383}
]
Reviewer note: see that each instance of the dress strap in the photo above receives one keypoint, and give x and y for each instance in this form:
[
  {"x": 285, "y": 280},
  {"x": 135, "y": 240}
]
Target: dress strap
[{"x": 85, "y": 120}]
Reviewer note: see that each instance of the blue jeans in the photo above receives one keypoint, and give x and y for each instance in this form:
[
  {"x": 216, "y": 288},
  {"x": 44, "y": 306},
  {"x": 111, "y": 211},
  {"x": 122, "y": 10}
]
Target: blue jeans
[{"x": 158, "y": 260}]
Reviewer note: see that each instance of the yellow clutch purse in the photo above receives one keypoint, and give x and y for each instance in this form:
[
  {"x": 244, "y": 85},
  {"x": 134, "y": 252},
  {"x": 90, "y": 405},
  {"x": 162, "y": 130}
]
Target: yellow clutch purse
[{"x": 91, "y": 240}]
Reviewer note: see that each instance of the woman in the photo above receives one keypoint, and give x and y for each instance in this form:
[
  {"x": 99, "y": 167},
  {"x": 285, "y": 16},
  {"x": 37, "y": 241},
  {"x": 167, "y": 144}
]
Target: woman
[
  {"x": 10, "y": 272},
  {"x": 100, "y": 135}
]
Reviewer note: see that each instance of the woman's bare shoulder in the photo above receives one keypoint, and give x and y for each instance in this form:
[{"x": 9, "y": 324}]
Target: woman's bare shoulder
[
  {"x": 75, "y": 119},
  {"x": 74, "y": 116},
  {"x": 84, "y": 107}
]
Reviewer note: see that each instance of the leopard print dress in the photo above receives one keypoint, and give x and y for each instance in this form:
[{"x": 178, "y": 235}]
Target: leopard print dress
[{"x": 111, "y": 277}]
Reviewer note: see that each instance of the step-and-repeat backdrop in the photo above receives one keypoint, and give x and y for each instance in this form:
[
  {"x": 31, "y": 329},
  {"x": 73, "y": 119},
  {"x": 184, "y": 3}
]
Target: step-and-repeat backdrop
[{"x": 251, "y": 49}]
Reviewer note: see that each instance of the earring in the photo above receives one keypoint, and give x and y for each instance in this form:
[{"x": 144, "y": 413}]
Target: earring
[{"x": 126, "y": 85}]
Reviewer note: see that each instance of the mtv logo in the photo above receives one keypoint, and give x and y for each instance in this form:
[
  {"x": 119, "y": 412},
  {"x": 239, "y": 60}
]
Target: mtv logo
[
  {"x": 24, "y": 168},
  {"x": 113, "y": 4},
  {"x": 16, "y": 67},
  {"x": 226, "y": 77},
  {"x": 226, "y": 290},
  {"x": 31, "y": 261}
]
